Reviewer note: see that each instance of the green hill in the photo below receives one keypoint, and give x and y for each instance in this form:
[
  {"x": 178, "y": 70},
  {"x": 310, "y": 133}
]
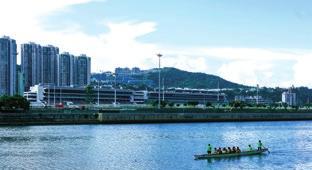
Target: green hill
[{"x": 178, "y": 78}]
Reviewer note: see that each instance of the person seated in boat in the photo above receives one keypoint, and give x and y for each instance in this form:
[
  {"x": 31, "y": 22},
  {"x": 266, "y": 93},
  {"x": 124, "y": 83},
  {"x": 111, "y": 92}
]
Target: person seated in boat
[
  {"x": 234, "y": 149},
  {"x": 215, "y": 151},
  {"x": 260, "y": 145},
  {"x": 209, "y": 149},
  {"x": 250, "y": 148},
  {"x": 238, "y": 150},
  {"x": 224, "y": 150},
  {"x": 219, "y": 150},
  {"x": 230, "y": 150}
]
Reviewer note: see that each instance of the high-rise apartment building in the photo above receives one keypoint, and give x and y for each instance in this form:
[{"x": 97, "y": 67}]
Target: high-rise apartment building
[
  {"x": 31, "y": 63},
  {"x": 8, "y": 55},
  {"x": 66, "y": 69},
  {"x": 49, "y": 62},
  {"x": 83, "y": 70},
  {"x": 74, "y": 71},
  {"x": 39, "y": 64}
]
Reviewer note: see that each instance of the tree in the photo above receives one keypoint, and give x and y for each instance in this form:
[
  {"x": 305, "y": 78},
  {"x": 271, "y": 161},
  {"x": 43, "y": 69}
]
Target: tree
[
  {"x": 285, "y": 105},
  {"x": 14, "y": 103},
  {"x": 192, "y": 103},
  {"x": 163, "y": 103},
  {"x": 89, "y": 94},
  {"x": 238, "y": 104},
  {"x": 171, "y": 104},
  {"x": 208, "y": 104}
]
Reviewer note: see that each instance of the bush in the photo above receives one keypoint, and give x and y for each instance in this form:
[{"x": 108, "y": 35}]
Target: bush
[
  {"x": 14, "y": 103},
  {"x": 237, "y": 104},
  {"x": 192, "y": 103},
  {"x": 163, "y": 104},
  {"x": 208, "y": 104},
  {"x": 171, "y": 104}
]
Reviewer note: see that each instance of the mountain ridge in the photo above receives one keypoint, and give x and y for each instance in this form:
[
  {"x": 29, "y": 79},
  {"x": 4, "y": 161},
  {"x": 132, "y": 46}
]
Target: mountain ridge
[{"x": 174, "y": 77}]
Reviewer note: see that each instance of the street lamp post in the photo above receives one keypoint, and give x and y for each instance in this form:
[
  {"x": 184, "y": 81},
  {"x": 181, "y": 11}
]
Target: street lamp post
[
  {"x": 98, "y": 99},
  {"x": 163, "y": 90},
  {"x": 257, "y": 100},
  {"x": 159, "y": 56},
  {"x": 54, "y": 96},
  {"x": 49, "y": 95},
  {"x": 115, "y": 93}
]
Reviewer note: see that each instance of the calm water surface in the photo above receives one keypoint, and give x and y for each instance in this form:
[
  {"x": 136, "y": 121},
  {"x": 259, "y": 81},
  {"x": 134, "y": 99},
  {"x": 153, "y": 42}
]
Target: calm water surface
[{"x": 154, "y": 146}]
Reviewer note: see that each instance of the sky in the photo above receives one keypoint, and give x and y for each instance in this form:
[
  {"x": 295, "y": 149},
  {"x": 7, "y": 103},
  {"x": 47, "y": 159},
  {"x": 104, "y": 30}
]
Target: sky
[{"x": 245, "y": 41}]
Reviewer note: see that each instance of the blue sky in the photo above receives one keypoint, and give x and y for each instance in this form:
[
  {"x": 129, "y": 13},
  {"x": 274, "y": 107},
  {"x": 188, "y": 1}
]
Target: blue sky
[
  {"x": 231, "y": 23},
  {"x": 246, "y": 41}
]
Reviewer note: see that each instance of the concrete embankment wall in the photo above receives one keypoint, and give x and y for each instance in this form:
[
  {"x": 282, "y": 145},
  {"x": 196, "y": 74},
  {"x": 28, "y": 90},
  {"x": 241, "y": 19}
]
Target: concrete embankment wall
[{"x": 107, "y": 118}]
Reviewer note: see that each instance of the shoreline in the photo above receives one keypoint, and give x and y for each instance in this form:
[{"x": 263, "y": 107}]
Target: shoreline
[{"x": 16, "y": 119}]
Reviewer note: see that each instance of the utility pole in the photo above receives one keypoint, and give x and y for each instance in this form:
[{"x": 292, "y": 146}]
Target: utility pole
[
  {"x": 257, "y": 94},
  {"x": 159, "y": 56},
  {"x": 115, "y": 92},
  {"x": 60, "y": 95},
  {"x": 98, "y": 99},
  {"x": 49, "y": 95},
  {"x": 163, "y": 97},
  {"x": 54, "y": 95}
]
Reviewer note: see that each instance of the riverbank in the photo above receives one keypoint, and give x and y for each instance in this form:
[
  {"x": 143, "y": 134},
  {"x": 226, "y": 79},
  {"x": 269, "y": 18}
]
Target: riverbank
[{"x": 128, "y": 117}]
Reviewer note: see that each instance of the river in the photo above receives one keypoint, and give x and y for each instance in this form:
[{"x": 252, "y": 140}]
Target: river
[{"x": 154, "y": 146}]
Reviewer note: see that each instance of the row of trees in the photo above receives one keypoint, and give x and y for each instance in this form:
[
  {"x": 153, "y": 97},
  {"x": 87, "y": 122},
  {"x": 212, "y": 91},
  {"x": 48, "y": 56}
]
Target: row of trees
[
  {"x": 241, "y": 105},
  {"x": 234, "y": 104},
  {"x": 13, "y": 103}
]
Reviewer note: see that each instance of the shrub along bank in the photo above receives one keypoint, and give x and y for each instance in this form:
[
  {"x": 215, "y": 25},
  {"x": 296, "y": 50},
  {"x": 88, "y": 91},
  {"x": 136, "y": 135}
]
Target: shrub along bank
[{"x": 13, "y": 104}]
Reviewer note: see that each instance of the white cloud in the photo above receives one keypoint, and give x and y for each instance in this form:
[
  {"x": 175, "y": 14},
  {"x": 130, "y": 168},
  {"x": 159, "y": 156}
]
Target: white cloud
[
  {"x": 251, "y": 66},
  {"x": 120, "y": 47},
  {"x": 303, "y": 70},
  {"x": 117, "y": 47}
]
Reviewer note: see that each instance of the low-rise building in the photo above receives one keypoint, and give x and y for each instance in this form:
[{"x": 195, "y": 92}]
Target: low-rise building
[
  {"x": 253, "y": 100},
  {"x": 51, "y": 95},
  {"x": 181, "y": 96},
  {"x": 289, "y": 98}
]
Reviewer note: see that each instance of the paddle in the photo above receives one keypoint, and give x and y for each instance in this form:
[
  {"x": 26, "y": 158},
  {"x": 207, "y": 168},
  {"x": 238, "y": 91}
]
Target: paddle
[{"x": 268, "y": 149}]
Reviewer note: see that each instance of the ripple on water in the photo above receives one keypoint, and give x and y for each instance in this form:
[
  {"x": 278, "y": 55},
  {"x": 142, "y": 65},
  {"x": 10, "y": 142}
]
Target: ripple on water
[{"x": 154, "y": 146}]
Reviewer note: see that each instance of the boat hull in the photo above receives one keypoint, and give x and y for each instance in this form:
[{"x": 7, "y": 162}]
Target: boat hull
[{"x": 244, "y": 153}]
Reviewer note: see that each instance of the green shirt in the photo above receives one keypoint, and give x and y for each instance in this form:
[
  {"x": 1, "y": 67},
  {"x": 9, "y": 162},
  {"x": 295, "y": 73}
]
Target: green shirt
[
  {"x": 260, "y": 145},
  {"x": 209, "y": 148}
]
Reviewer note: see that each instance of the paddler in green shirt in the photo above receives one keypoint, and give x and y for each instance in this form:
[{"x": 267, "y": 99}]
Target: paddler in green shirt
[
  {"x": 260, "y": 145},
  {"x": 209, "y": 149}
]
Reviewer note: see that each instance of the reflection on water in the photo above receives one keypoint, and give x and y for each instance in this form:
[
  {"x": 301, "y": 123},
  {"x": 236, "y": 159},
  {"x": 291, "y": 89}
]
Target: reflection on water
[{"x": 154, "y": 146}]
